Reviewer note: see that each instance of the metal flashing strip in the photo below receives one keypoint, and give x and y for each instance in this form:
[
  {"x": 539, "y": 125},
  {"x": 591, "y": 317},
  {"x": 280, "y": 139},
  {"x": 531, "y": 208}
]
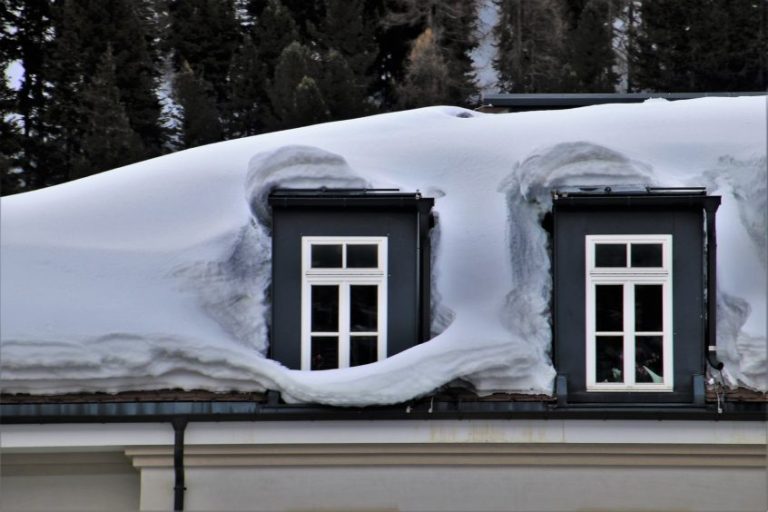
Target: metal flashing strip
[{"x": 439, "y": 410}]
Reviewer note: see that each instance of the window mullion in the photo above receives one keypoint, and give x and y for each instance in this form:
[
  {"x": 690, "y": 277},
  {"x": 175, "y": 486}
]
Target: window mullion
[
  {"x": 629, "y": 333},
  {"x": 591, "y": 334},
  {"x": 344, "y": 314}
]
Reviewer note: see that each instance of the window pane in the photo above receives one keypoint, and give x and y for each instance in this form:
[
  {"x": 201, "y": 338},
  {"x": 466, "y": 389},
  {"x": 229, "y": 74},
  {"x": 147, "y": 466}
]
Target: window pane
[
  {"x": 362, "y": 256},
  {"x": 609, "y": 359},
  {"x": 609, "y": 303},
  {"x": 648, "y": 307},
  {"x": 363, "y": 304},
  {"x": 610, "y": 255},
  {"x": 325, "y": 352},
  {"x": 325, "y": 308},
  {"x": 363, "y": 350},
  {"x": 326, "y": 256},
  {"x": 649, "y": 362},
  {"x": 646, "y": 255}
]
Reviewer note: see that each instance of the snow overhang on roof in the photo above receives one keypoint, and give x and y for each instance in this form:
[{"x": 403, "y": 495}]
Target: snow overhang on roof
[{"x": 164, "y": 284}]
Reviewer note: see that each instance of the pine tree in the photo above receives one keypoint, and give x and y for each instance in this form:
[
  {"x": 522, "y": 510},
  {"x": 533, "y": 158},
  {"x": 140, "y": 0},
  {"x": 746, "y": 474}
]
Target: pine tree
[
  {"x": 205, "y": 35},
  {"x": 273, "y": 31},
  {"x": 108, "y": 139},
  {"x": 294, "y": 92},
  {"x": 346, "y": 29},
  {"x": 344, "y": 93},
  {"x": 64, "y": 116},
  {"x": 530, "y": 55},
  {"x": 137, "y": 63},
  {"x": 452, "y": 25},
  {"x": 700, "y": 45},
  {"x": 248, "y": 101},
  {"x": 590, "y": 53},
  {"x": 309, "y": 106},
  {"x": 11, "y": 179},
  {"x": 426, "y": 78},
  {"x": 25, "y": 38},
  {"x": 94, "y": 25},
  {"x": 200, "y": 122}
]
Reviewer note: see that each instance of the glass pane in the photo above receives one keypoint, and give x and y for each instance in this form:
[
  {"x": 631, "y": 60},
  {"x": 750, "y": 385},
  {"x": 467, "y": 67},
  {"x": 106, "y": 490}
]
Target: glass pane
[
  {"x": 649, "y": 362},
  {"x": 363, "y": 306},
  {"x": 325, "y": 308},
  {"x": 325, "y": 352},
  {"x": 609, "y": 359},
  {"x": 648, "y": 307},
  {"x": 646, "y": 255},
  {"x": 610, "y": 255},
  {"x": 609, "y": 304},
  {"x": 326, "y": 256},
  {"x": 363, "y": 256},
  {"x": 363, "y": 350}
]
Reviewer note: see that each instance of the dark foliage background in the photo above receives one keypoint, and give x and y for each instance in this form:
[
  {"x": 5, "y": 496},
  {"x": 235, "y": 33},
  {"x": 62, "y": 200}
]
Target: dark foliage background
[{"x": 111, "y": 82}]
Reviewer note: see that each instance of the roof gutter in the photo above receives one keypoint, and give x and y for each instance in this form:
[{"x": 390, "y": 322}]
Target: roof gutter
[
  {"x": 421, "y": 410},
  {"x": 710, "y": 332},
  {"x": 179, "y": 426}
]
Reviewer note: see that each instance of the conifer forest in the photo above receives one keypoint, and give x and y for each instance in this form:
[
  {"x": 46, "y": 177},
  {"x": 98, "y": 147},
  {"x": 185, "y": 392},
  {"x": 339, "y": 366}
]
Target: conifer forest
[{"x": 106, "y": 83}]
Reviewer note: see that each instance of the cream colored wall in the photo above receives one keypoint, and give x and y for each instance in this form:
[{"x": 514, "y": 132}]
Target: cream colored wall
[
  {"x": 390, "y": 465},
  {"x": 68, "y": 481},
  {"x": 459, "y": 488}
]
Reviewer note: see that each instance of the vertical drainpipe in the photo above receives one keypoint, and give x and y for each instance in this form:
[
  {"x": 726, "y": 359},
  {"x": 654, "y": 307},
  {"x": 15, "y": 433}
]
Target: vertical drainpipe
[
  {"x": 710, "y": 206},
  {"x": 179, "y": 425}
]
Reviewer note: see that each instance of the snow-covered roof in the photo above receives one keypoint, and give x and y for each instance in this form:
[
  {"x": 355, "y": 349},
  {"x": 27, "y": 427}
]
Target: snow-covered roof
[{"x": 154, "y": 275}]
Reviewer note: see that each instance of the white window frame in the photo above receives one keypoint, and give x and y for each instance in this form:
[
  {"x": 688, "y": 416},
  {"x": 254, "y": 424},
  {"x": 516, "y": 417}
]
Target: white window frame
[
  {"x": 344, "y": 278},
  {"x": 628, "y": 277}
]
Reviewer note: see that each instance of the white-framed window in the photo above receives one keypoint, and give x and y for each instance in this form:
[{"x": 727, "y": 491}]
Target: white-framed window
[
  {"x": 629, "y": 312},
  {"x": 343, "y": 301}
]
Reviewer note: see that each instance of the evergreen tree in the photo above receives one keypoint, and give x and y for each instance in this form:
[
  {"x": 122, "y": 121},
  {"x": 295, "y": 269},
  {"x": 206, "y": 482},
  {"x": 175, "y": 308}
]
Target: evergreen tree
[
  {"x": 530, "y": 55},
  {"x": 452, "y": 27},
  {"x": 248, "y": 102},
  {"x": 108, "y": 139},
  {"x": 137, "y": 64},
  {"x": 25, "y": 29},
  {"x": 590, "y": 53},
  {"x": 344, "y": 92},
  {"x": 11, "y": 177},
  {"x": 273, "y": 31},
  {"x": 701, "y": 45},
  {"x": 395, "y": 33},
  {"x": 200, "y": 119},
  {"x": 426, "y": 78},
  {"x": 91, "y": 26},
  {"x": 346, "y": 29},
  {"x": 308, "y": 104},
  {"x": 294, "y": 92},
  {"x": 64, "y": 116},
  {"x": 205, "y": 35}
]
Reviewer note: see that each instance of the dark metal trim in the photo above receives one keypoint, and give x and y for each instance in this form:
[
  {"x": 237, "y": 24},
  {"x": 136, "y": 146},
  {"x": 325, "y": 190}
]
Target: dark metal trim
[
  {"x": 710, "y": 332},
  {"x": 423, "y": 409},
  {"x": 637, "y": 200},
  {"x": 179, "y": 426}
]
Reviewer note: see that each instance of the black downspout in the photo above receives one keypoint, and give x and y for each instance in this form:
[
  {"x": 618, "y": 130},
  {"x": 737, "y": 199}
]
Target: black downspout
[
  {"x": 179, "y": 425},
  {"x": 710, "y": 340}
]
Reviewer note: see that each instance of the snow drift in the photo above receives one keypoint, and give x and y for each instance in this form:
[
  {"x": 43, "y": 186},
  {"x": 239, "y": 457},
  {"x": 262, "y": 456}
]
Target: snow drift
[{"x": 155, "y": 275}]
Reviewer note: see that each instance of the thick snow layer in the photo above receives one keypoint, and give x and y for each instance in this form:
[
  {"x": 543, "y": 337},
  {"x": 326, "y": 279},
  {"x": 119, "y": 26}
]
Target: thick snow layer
[{"x": 155, "y": 275}]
